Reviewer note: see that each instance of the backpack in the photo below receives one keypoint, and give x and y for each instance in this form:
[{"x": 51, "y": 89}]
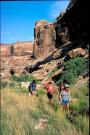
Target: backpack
[{"x": 32, "y": 87}]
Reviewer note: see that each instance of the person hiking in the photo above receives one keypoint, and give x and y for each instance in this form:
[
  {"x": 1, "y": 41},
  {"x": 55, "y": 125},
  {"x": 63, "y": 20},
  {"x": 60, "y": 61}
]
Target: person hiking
[
  {"x": 65, "y": 98},
  {"x": 50, "y": 89},
  {"x": 61, "y": 87},
  {"x": 32, "y": 88}
]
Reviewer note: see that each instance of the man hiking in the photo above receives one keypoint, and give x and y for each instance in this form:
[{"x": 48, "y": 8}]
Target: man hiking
[{"x": 32, "y": 88}]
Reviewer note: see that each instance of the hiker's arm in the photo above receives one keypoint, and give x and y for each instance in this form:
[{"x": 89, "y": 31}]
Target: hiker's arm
[{"x": 70, "y": 97}]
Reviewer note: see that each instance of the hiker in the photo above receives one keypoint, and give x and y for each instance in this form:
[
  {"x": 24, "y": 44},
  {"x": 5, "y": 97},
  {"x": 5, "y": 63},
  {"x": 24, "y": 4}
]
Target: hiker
[
  {"x": 32, "y": 88},
  {"x": 65, "y": 98},
  {"x": 61, "y": 87},
  {"x": 50, "y": 89}
]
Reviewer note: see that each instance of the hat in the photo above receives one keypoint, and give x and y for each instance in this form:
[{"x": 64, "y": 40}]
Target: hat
[{"x": 66, "y": 85}]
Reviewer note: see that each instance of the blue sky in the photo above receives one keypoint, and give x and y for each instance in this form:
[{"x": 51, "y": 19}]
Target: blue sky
[{"x": 18, "y": 17}]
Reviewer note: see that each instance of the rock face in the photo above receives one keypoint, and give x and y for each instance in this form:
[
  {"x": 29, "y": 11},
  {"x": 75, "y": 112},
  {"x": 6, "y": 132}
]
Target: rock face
[
  {"x": 4, "y": 50},
  {"x": 44, "y": 39},
  {"x": 17, "y": 61},
  {"x": 20, "y": 48},
  {"x": 23, "y": 48},
  {"x": 73, "y": 24}
]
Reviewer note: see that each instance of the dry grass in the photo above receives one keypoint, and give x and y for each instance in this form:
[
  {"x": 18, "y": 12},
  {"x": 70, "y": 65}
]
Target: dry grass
[{"x": 20, "y": 114}]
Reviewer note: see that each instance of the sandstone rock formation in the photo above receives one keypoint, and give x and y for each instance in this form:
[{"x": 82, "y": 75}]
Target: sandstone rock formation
[
  {"x": 22, "y": 55},
  {"x": 44, "y": 39},
  {"x": 20, "y": 48}
]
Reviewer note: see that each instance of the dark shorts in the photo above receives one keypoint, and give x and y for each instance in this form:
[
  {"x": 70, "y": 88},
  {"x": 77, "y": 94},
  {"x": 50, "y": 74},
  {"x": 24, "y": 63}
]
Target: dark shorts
[{"x": 49, "y": 95}]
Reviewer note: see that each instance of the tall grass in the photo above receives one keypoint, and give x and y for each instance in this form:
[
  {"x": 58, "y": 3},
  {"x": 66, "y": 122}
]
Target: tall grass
[{"x": 20, "y": 114}]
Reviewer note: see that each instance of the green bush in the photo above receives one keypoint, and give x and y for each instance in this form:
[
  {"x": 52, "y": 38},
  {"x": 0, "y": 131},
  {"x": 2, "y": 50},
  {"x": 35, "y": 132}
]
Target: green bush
[
  {"x": 84, "y": 104},
  {"x": 81, "y": 106},
  {"x": 52, "y": 72},
  {"x": 3, "y": 84},
  {"x": 24, "y": 78},
  {"x": 12, "y": 85},
  {"x": 82, "y": 123},
  {"x": 73, "y": 68},
  {"x": 41, "y": 92}
]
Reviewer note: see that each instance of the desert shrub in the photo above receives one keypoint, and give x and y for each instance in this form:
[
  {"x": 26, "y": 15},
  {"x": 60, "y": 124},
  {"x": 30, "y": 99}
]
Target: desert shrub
[
  {"x": 3, "y": 84},
  {"x": 80, "y": 92},
  {"x": 24, "y": 78},
  {"x": 41, "y": 92},
  {"x": 82, "y": 96},
  {"x": 12, "y": 84},
  {"x": 82, "y": 123},
  {"x": 81, "y": 106},
  {"x": 73, "y": 68},
  {"x": 84, "y": 88},
  {"x": 84, "y": 105}
]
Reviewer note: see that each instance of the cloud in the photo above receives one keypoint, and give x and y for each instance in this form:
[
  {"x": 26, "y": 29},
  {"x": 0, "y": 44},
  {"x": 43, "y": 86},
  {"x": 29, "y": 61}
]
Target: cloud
[{"x": 57, "y": 7}]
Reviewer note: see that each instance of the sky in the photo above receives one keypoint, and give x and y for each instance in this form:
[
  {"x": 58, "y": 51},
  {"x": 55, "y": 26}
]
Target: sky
[{"x": 18, "y": 18}]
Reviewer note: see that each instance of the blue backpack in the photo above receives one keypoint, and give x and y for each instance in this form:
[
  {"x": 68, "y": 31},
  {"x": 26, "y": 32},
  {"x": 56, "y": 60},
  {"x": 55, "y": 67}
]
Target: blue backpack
[{"x": 32, "y": 86}]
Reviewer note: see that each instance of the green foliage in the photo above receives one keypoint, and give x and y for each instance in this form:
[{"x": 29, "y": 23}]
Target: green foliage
[
  {"x": 24, "y": 78},
  {"x": 81, "y": 106},
  {"x": 12, "y": 84},
  {"x": 81, "y": 95},
  {"x": 21, "y": 113},
  {"x": 73, "y": 68},
  {"x": 84, "y": 104},
  {"x": 55, "y": 105},
  {"x": 84, "y": 88},
  {"x": 82, "y": 123},
  {"x": 3, "y": 84},
  {"x": 52, "y": 72},
  {"x": 41, "y": 92}
]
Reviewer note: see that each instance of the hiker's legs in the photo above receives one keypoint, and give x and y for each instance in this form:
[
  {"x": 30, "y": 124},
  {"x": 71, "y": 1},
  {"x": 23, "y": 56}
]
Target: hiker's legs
[
  {"x": 64, "y": 108},
  {"x": 30, "y": 93},
  {"x": 50, "y": 96},
  {"x": 68, "y": 108},
  {"x": 50, "y": 101}
]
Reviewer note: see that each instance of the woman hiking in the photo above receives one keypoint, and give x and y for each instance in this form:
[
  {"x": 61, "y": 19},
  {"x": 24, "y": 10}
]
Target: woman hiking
[
  {"x": 50, "y": 90},
  {"x": 65, "y": 98}
]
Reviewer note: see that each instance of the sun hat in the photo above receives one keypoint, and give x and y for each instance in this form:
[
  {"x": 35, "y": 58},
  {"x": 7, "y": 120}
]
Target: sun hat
[{"x": 66, "y": 85}]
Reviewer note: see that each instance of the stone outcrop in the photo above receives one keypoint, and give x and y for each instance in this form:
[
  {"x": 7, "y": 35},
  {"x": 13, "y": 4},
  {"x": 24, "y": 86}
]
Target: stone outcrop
[
  {"x": 73, "y": 24},
  {"x": 4, "y": 50},
  {"x": 67, "y": 36},
  {"x": 20, "y": 49},
  {"x": 70, "y": 36},
  {"x": 44, "y": 39},
  {"x": 23, "y": 48},
  {"x": 20, "y": 58}
]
